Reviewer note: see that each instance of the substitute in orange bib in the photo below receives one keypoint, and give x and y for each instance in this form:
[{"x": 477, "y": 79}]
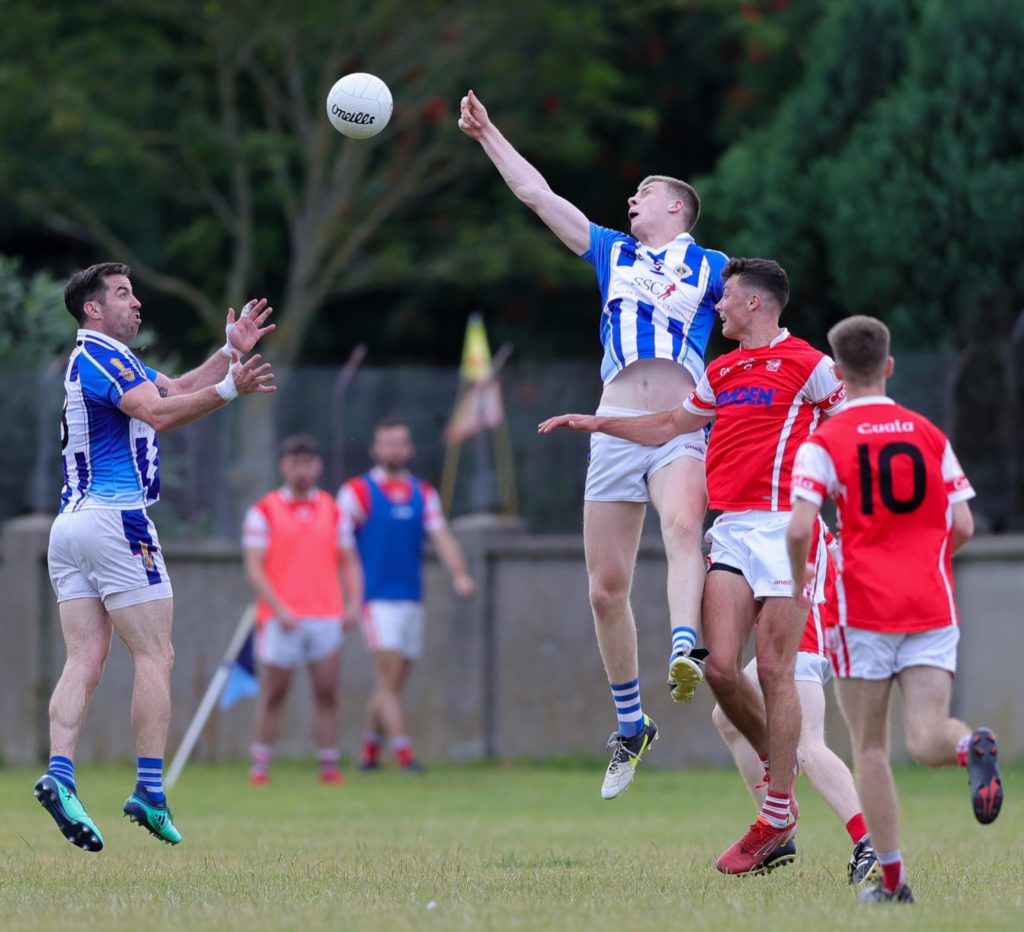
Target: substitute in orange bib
[{"x": 302, "y": 570}]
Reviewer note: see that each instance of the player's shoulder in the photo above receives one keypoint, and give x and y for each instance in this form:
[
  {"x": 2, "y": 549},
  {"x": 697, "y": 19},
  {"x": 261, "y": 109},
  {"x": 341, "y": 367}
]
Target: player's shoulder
[{"x": 99, "y": 354}]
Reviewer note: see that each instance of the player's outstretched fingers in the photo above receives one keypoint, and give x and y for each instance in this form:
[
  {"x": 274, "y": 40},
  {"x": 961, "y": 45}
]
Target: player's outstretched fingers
[
  {"x": 254, "y": 376},
  {"x": 573, "y": 421}
]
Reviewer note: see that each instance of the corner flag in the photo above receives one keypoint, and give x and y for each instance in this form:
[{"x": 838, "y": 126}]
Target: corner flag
[{"x": 481, "y": 405}]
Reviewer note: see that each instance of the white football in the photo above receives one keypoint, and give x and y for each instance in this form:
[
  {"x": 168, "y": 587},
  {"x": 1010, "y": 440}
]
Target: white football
[{"x": 359, "y": 105}]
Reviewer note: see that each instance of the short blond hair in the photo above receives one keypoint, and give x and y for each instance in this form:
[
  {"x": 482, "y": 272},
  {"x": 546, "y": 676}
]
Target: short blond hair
[{"x": 685, "y": 192}]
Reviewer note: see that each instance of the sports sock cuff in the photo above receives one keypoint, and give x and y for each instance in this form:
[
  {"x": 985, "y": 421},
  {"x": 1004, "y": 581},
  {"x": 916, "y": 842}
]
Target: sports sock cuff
[{"x": 857, "y": 828}]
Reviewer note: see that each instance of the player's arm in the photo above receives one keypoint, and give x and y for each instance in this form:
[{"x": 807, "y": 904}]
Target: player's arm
[
  {"x": 452, "y": 557},
  {"x": 252, "y": 559},
  {"x": 650, "y": 430},
  {"x": 163, "y": 411},
  {"x": 963, "y": 525},
  {"x": 564, "y": 219},
  {"x": 350, "y": 575},
  {"x": 241, "y": 336},
  {"x": 802, "y": 523}
]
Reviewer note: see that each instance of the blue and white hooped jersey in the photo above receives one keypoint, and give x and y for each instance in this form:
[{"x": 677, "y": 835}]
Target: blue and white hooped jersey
[
  {"x": 655, "y": 305},
  {"x": 110, "y": 459}
]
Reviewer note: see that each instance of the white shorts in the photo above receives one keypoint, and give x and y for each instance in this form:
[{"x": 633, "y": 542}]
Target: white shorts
[
  {"x": 880, "y": 655},
  {"x": 394, "y": 625},
  {"x": 312, "y": 639},
  {"x": 810, "y": 668},
  {"x": 107, "y": 554},
  {"x": 619, "y": 469},
  {"x": 753, "y": 543}
]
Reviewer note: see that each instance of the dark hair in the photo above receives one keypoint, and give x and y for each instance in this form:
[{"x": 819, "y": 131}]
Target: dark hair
[
  {"x": 300, "y": 445},
  {"x": 89, "y": 285},
  {"x": 762, "y": 275},
  {"x": 386, "y": 423},
  {"x": 860, "y": 345}
]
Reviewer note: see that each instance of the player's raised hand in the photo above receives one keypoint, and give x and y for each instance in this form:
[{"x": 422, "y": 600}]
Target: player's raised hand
[
  {"x": 473, "y": 119},
  {"x": 585, "y": 422},
  {"x": 248, "y": 329},
  {"x": 252, "y": 375}
]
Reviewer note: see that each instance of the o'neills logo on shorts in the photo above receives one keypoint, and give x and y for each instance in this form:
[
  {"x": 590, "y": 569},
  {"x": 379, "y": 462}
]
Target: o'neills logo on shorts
[{"x": 889, "y": 427}]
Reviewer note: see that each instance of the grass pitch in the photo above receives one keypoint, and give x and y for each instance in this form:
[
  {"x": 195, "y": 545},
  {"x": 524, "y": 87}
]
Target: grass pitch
[{"x": 488, "y": 847}]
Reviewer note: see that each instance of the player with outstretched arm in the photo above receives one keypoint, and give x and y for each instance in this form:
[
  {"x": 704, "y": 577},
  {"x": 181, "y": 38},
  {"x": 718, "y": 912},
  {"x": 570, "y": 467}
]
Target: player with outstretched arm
[{"x": 658, "y": 291}]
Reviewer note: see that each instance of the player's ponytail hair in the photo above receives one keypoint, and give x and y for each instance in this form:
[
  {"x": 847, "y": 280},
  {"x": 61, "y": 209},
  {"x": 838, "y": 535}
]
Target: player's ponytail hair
[
  {"x": 860, "y": 344},
  {"x": 764, "y": 276},
  {"x": 90, "y": 284}
]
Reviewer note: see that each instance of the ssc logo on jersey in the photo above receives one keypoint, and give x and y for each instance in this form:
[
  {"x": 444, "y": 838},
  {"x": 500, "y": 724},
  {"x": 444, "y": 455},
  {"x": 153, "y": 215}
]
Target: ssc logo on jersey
[{"x": 126, "y": 373}]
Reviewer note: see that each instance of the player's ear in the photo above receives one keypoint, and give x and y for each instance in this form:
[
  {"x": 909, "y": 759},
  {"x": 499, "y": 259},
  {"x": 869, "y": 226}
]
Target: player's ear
[
  {"x": 890, "y": 366},
  {"x": 839, "y": 372}
]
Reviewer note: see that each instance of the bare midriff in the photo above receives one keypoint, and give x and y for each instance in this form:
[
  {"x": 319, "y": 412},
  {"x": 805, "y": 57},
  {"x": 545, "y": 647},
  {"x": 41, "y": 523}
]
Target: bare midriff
[{"x": 649, "y": 385}]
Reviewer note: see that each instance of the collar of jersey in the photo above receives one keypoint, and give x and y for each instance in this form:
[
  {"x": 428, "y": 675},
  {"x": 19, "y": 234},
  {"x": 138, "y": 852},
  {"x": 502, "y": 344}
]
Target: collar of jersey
[
  {"x": 86, "y": 334},
  {"x": 380, "y": 477},
  {"x": 782, "y": 336},
  {"x": 287, "y": 495},
  {"x": 682, "y": 236},
  {"x": 869, "y": 400}
]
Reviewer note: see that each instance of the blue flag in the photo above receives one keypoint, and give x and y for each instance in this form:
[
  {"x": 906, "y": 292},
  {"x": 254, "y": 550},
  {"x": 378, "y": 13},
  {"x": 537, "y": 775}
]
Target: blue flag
[{"x": 242, "y": 681}]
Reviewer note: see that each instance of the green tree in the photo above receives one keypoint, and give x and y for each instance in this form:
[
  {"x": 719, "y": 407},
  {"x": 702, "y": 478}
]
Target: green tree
[{"x": 890, "y": 183}]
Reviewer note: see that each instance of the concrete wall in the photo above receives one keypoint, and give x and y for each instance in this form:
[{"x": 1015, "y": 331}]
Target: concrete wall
[{"x": 514, "y": 671}]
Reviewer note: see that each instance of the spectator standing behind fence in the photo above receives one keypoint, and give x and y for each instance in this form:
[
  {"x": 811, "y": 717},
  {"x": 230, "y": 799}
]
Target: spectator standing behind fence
[
  {"x": 390, "y": 512},
  {"x": 302, "y": 565}
]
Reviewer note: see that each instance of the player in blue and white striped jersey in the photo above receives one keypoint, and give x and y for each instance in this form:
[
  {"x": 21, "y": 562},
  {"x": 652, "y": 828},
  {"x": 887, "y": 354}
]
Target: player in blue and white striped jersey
[
  {"x": 104, "y": 557},
  {"x": 658, "y": 292}
]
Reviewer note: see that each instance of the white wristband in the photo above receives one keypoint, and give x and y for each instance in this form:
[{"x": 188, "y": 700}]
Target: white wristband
[
  {"x": 227, "y": 349},
  {"x": 226, "y": 387}
]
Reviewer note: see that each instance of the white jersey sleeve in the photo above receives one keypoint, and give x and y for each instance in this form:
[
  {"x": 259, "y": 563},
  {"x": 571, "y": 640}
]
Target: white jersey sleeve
[
  {"x": 958, "y": 487},
  {"x": 814, "y": 474},
  {"x": 824, "y": 389},
  {"x": 255, "y": 529},
  {"x": 701, "y": 400}
]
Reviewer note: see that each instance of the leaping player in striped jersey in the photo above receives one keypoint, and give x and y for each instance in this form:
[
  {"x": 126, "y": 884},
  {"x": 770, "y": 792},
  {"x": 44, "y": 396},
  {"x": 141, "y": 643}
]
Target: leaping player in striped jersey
[
  {"x": 902, "y": 503},
  {"x": 105, "y": 560},
  {"x": 765, "y": 397},
  {"x": 658, "y": 291}
]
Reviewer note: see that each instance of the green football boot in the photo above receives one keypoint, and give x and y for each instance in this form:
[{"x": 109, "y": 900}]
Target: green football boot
[
  {"x": 155, "y": 817},
  {"x": 68, "y": 812}
]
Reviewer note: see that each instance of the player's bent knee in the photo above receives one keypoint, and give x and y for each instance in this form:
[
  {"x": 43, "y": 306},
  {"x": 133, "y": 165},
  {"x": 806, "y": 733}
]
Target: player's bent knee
[{"x": 721, "y": 677}]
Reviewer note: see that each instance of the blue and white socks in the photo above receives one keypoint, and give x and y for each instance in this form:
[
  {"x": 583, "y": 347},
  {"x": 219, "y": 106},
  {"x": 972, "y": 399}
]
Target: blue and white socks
[
  {"x": 627, "y": 707},
  {"x": 684, "y": 640},
  {"x": 63, "y": 768},
  {"x": 151, "y": 777}
]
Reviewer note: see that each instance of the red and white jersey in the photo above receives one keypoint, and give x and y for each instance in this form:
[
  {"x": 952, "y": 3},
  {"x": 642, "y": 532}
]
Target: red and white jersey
[
  {"x": 894, "y": 478},
  {"x": 823, "y": 615},
  {"x": 765, "y": 402},
  {"x": 355, "y": 500}
]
